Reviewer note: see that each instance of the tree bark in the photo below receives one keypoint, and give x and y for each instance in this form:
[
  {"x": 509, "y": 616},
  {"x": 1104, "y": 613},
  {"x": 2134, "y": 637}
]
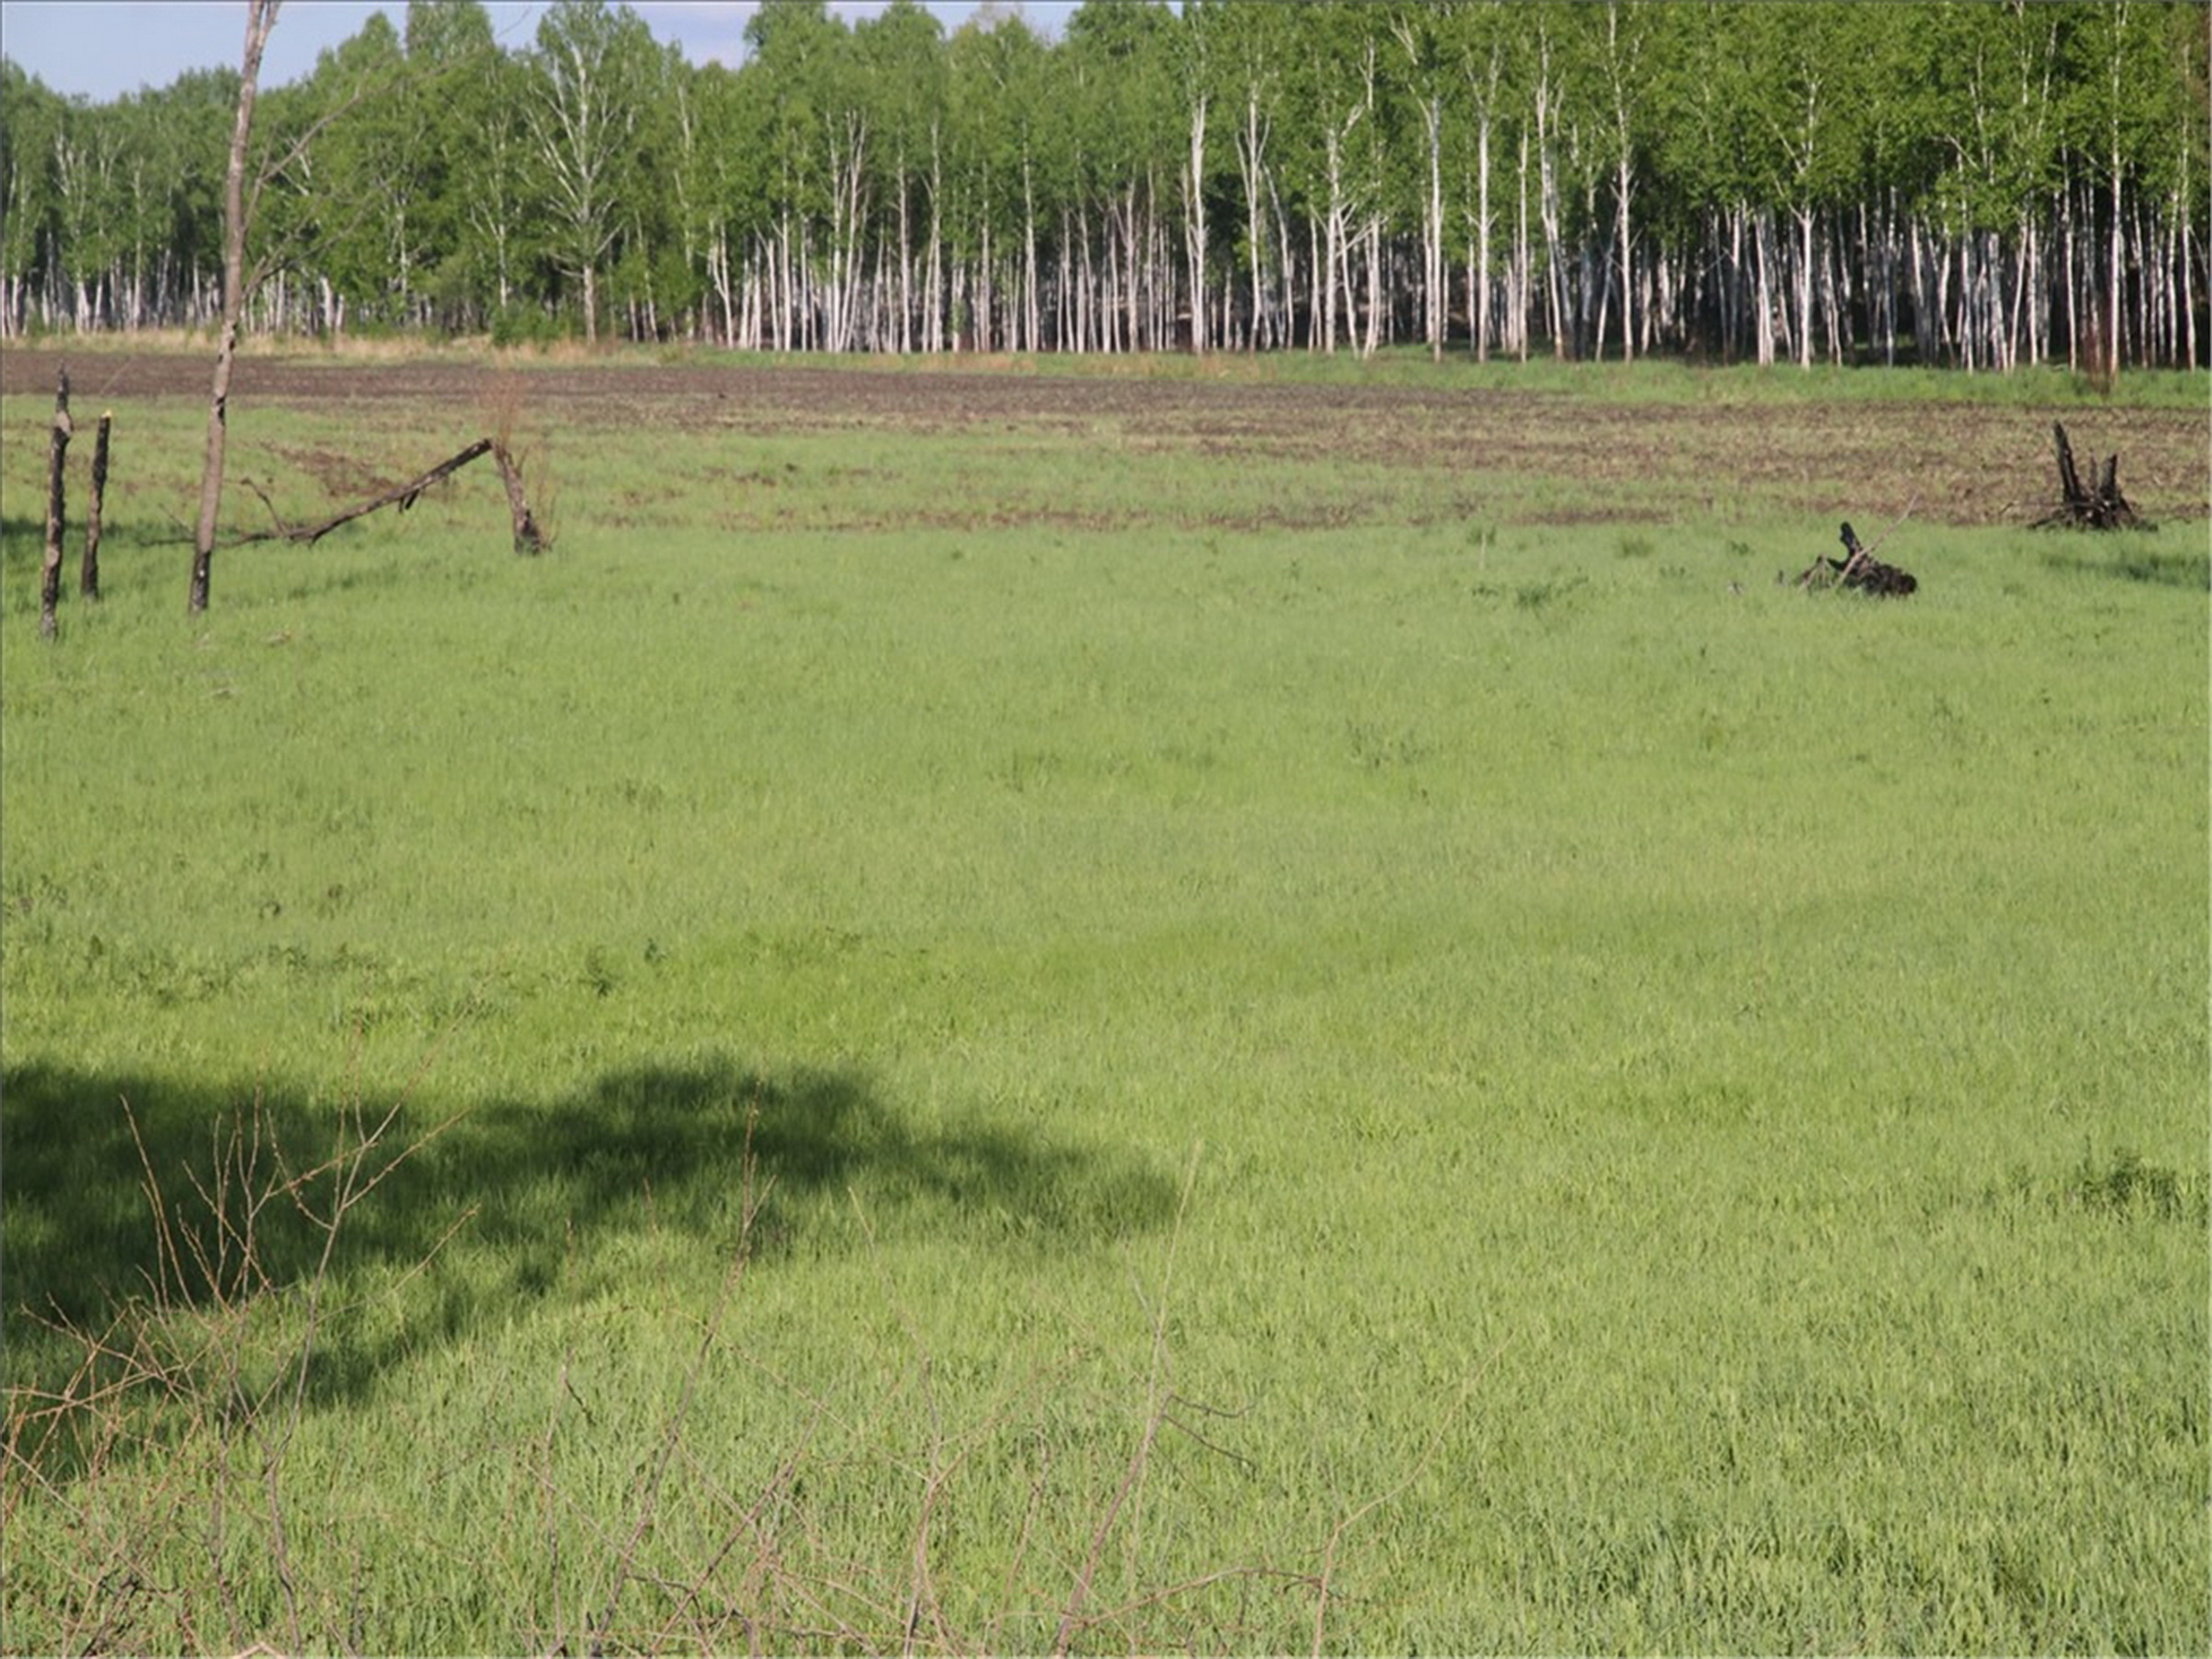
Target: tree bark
[
  {"x": 50, "y": 574},
  {"x": 261, "y": 17}
]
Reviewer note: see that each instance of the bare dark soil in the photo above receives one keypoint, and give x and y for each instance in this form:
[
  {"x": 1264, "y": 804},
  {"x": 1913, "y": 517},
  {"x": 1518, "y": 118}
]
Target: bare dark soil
[{"x": 1955, "y": 462}]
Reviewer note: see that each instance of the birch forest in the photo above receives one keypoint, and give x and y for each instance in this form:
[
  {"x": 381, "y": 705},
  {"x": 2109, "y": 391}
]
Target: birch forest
[{"x": 1958, "y": 182}]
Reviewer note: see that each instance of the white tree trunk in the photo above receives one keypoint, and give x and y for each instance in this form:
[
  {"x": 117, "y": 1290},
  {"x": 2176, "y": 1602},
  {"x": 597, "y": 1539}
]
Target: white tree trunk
[
  {"x": 1762, "y": 255},
  {"x": 1195, "y": 223},
  {"x": 1479, "y": 289},
  {"x": 1251, "y": 161},
  {"x": 1622, "y": 184},
  {"x": 1432, "y": 227},
  {"x": 1805, "y": 288}
]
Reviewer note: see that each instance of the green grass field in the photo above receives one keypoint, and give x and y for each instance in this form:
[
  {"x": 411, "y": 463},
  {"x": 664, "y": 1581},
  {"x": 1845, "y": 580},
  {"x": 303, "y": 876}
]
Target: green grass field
[{"x": 839, "y": 1063}]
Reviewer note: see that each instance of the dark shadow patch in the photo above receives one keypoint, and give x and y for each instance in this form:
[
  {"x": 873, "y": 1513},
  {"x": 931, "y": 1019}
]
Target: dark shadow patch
[
  {"x": 2115, "y": 1185},
  {"x": 2124, "y": 1183},
  {"x": 733, "y": 1158},
  {"x": 2191, "y": 570}
]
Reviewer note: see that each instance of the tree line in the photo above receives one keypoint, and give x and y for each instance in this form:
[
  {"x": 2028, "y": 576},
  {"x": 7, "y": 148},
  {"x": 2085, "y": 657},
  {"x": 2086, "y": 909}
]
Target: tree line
[{"x": 1970, "y": 183}]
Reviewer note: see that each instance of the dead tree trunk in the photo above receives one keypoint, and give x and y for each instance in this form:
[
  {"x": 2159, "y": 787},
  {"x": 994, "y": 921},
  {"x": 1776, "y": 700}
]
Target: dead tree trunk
[
  {"x": 49, "y": 572},
  {"x": 2069, "y": 481},
  {"x": 2088, "y": 507},
  {"x": 528, "y": 539},
  {"x": 87, "y": 578},
  {"x": 261, "y": 17}
]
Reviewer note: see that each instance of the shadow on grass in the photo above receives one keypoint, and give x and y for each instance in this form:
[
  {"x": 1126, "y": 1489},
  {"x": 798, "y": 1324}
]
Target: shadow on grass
[
  {"x": 526, "y": 1188},
  {"x": 2127, "y": 562}
]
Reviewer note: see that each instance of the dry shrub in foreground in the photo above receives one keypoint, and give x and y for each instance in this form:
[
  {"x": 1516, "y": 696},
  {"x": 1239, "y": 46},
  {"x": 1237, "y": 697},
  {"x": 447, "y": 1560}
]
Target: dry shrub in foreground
[
  {"x": 190, "y": 1390},
  {"x": 505, "y": 407},
  {"x": 180, "y": 1416}
]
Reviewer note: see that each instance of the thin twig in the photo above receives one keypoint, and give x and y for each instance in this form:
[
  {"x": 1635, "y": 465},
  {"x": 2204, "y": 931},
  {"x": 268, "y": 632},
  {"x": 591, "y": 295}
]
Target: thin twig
[
  {"x": 649, "y": 1500},
  {"x": 1158, "y": 1399},
  {"x": 1875, "y": 545},
  {"x": 1429, "y": 1456},
  {"x": 284, "y": 532}
]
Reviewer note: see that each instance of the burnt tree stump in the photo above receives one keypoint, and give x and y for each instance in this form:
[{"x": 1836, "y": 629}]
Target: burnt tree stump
[
  {"x": 88, "y": 583},
  {"x": 2097, "y": 506},
  {"x": 50, "y": 571},
  {"x": 1859, "y": 568}
]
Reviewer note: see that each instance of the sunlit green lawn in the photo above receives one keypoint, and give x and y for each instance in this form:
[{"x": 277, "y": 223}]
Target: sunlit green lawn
[{"x": 1390, "y": 1087}]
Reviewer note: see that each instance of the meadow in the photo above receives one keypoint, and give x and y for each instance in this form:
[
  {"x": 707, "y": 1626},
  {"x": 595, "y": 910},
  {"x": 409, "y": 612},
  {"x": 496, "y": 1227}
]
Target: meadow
[{"x": 1231, "y": 1007}]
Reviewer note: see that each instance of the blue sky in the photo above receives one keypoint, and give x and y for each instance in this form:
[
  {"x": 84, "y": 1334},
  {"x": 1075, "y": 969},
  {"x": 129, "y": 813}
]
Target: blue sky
[{"x": 101, "y": 49}]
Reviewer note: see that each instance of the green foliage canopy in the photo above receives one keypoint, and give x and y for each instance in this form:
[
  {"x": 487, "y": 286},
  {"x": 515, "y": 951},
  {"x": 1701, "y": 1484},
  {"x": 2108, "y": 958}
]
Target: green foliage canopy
[{"x": 1948, "y": 178}]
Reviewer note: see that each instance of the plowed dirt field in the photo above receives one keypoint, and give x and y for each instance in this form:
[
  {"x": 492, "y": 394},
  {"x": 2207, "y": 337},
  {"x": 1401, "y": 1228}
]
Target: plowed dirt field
[{"x": 1532, "y": 456}]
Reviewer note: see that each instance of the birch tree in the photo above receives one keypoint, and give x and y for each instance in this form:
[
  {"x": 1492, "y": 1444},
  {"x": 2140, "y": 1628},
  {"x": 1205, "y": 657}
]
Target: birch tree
[
  {"x": 1121, "y": 53},
  {"x": 1196, "y": 76},
  {"x": 1245, "y": 49},
  {"x": 1975, "y": 181},
  {"x": 591, "y": 74},
  {"x": 1623, "y": 73},
  {"x": 1806, "y": 115},
  {"x": 1331, "y": 82},
  {"x": 1425, "y": 70},
  {"x": 371, "y": 184},
  {"x": 489, "y": 168},
  {"x": 904, "y": 52},
  {"x": 793, "y": 44},
  {"x": 187, "y": 142},
  {"x": 1478, "y": 50},
  {"x": 92, "y": 175},
  {"x": 456, "y": 82},
  {"x": 31, "y": 122},
  {"x": 2115, "y": 120}
]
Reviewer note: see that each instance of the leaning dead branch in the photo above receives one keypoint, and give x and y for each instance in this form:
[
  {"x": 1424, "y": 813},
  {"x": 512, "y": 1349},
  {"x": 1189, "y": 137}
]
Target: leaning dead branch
[
  {"x": 2097, "y": 506},
  {"x": 528, "y": 539}
]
